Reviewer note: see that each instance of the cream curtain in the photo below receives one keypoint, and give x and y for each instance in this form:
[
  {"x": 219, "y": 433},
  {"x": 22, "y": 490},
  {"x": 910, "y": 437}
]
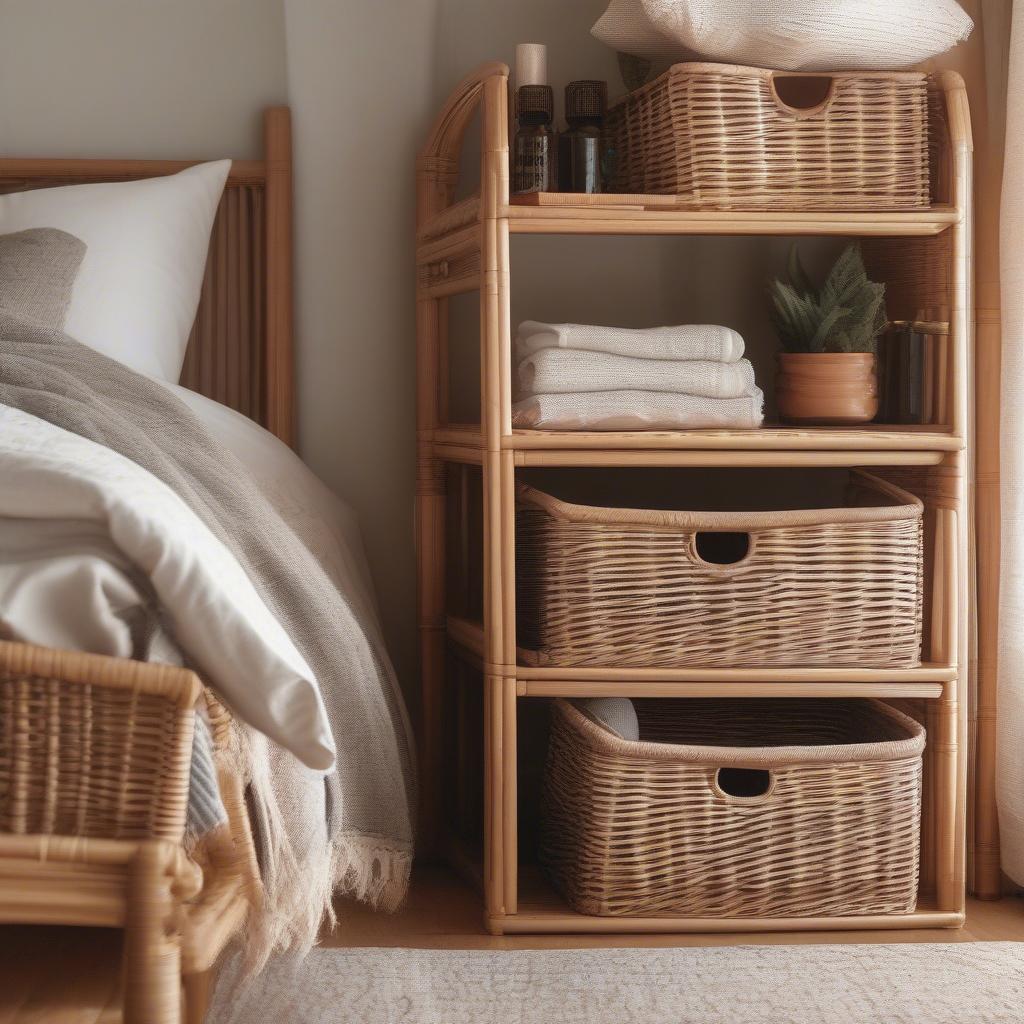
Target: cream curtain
[
  {"x": 983, "y": 61},
  {"x": 1010, "y": 693},
  {"x": 994, "y": 72}
]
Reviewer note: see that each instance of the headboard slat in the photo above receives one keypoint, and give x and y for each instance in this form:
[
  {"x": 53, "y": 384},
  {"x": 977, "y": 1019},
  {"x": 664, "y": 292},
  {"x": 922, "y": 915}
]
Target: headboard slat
[{"x": 225, "y": 358}]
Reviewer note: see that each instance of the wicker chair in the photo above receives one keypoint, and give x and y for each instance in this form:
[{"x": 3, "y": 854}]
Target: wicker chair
[{"x": 94, "y": 773}]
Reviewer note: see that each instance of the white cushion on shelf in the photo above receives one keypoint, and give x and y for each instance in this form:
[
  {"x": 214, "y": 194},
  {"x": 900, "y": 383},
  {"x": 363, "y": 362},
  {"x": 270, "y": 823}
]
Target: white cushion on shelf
[
  {"x": 626, "y": 27},
  {"x": 616, "y": 714},
  {"x": 791, "y": 35}
]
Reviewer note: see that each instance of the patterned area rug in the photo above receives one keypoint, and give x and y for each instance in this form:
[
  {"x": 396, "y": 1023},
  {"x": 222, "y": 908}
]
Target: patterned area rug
[{"x": 926, "y": 983}]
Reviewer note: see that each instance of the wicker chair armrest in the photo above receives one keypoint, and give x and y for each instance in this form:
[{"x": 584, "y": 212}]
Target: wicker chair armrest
[
  {"x": 68, "y": 880},
  {"x": 92, "y": 746},
  {"x": 186, "y": 875},
  {"x": 179, "y": 686}
]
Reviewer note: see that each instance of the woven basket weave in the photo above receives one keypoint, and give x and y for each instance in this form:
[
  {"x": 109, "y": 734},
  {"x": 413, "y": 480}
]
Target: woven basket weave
[
  {"x": 627, "y": 587},
  {"x": 647, "y": 828},
  {"x": 105, "y": 756},
  {"x": 720, "y": 137}
]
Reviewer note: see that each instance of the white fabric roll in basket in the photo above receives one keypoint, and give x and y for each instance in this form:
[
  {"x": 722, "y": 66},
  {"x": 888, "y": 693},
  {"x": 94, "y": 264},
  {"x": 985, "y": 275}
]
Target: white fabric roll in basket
[{"x": 790, "y": 35}]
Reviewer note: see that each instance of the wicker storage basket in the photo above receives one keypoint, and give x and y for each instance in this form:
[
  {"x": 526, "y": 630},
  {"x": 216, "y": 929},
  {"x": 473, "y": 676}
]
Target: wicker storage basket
[
  {"x": 628, "y": 587},
  {"x": 720, "y": 137},
  {"x": 650, "y": 827}
]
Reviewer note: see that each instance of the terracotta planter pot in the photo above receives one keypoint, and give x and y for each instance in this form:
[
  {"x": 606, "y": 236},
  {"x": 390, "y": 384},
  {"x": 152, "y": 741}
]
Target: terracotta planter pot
[{"x": 826, "y": 387}]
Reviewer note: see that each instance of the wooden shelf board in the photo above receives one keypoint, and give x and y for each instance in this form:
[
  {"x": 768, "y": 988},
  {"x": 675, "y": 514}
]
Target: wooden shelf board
[
  {"x": 726, "y": 458},
  {"x": 542, "y": 910},
  {"x": 652, "y": 215},
  {"x": 774, "y": 445},
  {"x": 554, "y": 918},
  {"x": 722, "y": 688},
  {"x": 928, "y": 673},
  {"x": 870, "y": 437},
  {"x": 925, "y": 681}
]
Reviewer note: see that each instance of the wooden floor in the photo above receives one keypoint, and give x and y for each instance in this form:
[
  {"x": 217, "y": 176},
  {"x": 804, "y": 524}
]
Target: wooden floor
[
  {"x": 70, "y": 976},
  {"x": 443, "y": 913}
]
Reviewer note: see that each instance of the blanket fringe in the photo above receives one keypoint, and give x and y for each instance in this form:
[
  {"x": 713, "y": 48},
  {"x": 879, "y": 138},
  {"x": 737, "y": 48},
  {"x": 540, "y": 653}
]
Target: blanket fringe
[
  {"x": 372, "y": 871},
  {"x": 298, "y": 894}
]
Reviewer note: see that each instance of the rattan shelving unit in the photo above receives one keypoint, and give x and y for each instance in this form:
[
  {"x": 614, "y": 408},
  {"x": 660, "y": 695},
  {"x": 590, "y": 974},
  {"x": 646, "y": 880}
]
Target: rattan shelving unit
[{"x": 463, "y": 246}]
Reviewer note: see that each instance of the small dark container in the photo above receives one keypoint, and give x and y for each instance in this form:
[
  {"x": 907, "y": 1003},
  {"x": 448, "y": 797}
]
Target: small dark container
[
  {"x": 534, "y": 150},
  {"x": 901, "y": 358},
  {"x": 581, "y": 147}
]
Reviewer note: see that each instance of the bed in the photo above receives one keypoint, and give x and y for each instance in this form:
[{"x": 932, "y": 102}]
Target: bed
[{"x": 96, "y": 751}]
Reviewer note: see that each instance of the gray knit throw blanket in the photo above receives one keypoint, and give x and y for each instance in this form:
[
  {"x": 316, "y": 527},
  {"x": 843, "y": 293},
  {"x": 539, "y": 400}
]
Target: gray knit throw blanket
[{"x": 350, "y": 832}]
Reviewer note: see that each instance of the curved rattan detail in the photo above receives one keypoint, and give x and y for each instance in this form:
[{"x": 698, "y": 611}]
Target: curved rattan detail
[
  {"x": 642, "y": 828},
  {"x": 628, "y": 587},
  {"x": 719, "y": 137}
]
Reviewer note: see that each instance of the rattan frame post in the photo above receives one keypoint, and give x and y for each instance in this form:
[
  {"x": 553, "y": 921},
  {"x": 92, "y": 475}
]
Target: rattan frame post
[{"x": 463, "y": 247}]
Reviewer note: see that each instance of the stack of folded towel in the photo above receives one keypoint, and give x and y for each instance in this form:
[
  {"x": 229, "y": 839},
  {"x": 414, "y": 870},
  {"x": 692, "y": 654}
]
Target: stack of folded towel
[{"x": 576, "y": 377}]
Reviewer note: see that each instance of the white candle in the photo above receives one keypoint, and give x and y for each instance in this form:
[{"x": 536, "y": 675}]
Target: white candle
[{"x": 531, "y": 64}]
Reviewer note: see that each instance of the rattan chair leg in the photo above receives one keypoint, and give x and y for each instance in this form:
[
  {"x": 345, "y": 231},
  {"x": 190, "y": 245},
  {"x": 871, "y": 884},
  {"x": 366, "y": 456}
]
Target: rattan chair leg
[
  {"x": 196, "y": 989},
  {"x": 152, "y": 944}
]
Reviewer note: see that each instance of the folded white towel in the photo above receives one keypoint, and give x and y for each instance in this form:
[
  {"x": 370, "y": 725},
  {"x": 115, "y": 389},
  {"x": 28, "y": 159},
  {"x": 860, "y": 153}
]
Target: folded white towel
[
  {"x": 688, "y": 341},
  {"x": 638, "y": 410},
  {"x": 553, "y": 371}
]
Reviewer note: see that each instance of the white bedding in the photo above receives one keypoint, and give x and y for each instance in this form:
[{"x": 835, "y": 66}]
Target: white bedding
[
  {"x": 64, "y": 584},
  {"x": 91, "y": 544}
]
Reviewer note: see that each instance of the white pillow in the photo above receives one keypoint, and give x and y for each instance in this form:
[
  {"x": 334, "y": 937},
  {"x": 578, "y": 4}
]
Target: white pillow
[
  {"x": 791, "y": 35},
  {"x": 616, "y": 714},
  {"x": 136, "y": 294}
]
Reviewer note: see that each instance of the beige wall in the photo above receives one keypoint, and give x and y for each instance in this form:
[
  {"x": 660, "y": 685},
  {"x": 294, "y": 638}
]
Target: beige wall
[
  {"x": 360, "y": 78},
  {"x": 143, "y": 78}
]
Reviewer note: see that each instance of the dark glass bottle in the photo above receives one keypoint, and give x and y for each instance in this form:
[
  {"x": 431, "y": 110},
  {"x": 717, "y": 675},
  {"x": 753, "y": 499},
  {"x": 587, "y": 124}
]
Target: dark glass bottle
[
  {"x": 534, "y": 151},
  {"x": 580, "y": 148}
]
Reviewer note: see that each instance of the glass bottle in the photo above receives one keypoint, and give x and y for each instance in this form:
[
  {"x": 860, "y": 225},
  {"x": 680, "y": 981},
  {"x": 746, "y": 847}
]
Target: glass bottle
[
  {"x": 580, "y": 148},
  {"x": 534, "y": 152}
]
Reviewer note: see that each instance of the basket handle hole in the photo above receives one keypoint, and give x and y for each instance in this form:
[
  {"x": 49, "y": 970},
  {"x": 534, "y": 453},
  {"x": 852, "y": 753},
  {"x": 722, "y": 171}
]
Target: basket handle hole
[
  {"x": 722, "y": 548},
  {"x": 745, "y": 783},
  {"x": 803, "y": 93}
]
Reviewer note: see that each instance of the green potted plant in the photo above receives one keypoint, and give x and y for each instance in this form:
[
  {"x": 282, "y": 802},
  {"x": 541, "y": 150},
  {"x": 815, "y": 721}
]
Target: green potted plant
[{"x": 829, "y": 336}]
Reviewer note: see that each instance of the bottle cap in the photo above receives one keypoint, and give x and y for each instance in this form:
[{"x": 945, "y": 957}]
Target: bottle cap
[
  {"x": 586, "y": 100},
  {"x": 531, "y": 64},
  {"x": 536, "y": 104}
]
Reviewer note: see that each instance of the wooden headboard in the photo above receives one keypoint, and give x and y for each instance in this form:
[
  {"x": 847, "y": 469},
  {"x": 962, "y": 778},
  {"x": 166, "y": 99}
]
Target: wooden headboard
[{"x": 240, "y": 352}]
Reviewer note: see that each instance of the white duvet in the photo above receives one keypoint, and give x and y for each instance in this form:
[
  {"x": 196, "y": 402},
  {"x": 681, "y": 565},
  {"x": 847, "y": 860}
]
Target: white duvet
[{"x": 95, "y": 550}]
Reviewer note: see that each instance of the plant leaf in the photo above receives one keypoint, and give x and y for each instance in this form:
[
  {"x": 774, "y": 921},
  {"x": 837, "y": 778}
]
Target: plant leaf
[
  {"x": 825, "y": 327},
  {"x": 846, "y": 314},
  {"x": 797, "y": 275}
]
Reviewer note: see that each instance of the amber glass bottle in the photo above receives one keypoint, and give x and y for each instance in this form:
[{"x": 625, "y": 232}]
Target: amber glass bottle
[
  {"x": 580, "y": 148},
  {"x": 534, "y": 153}
]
